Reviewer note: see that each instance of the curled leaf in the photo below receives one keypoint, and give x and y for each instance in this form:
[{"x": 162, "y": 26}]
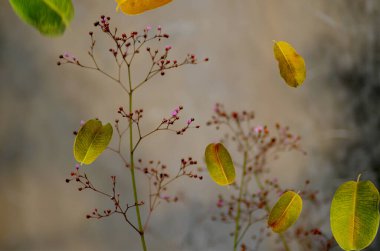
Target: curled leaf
[
  {"x": 50, "y": 17},
  {"x": 219, "y": 164},
  {"x": 354, "y": 214},
  {"x": 133, "y": 7},
  {"x": 91, "y": 140},
  {"x": 291, "y": 64},
  {"x": 285, "y": 212}
]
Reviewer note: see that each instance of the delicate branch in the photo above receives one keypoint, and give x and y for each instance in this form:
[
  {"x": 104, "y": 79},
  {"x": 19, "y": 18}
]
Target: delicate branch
[
  {"x": 85, "y": 183},
  {"x": 159, "y": 179}
]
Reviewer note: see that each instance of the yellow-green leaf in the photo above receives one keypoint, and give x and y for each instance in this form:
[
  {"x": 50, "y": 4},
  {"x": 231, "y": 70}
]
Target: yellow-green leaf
[
  {"x": 133, "y": 7},
  {"x": 291, "y": 64},
  {"x": 286, "y": 212},
  {"x": 50, "y": 17},
  {"x": 354, "y": 214},
  {"x": 219, "y": 164},
  {"x": 91, "y": 140}
]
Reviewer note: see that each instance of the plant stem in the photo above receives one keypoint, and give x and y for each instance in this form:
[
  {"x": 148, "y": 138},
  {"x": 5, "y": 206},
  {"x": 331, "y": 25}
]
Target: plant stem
[
  {"x": 237, "y": 219},
  {"x": 286, "y": 246},
  {"x": 132, "y": 166},
  {"x": 284, "y": 242}
]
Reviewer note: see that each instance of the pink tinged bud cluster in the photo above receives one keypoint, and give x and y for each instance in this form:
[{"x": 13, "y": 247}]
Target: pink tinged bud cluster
[
  {"x": 258, "y": 129},
  {"x": 220, "y": 203},
  {"x": 68, "y": 58},
  {"x": 175, "y": 112}
]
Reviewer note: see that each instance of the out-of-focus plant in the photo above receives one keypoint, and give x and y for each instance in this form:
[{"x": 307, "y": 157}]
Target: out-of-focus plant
[
  {"x": 251, "y": 196},
  {"x": 50, "y": 17},
  {"x": 92, "y": 138}
]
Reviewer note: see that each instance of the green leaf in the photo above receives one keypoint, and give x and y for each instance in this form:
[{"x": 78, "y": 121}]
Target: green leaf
[
  {"x": 286, "y": 212},
  {"x": 50, "y": 17},
  {"x": 354, "y": 214},
  {"x": 91, "y": 140},
  {"x": 219, "y": 164}
]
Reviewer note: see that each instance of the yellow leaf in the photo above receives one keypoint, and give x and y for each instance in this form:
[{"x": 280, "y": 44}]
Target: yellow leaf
[
  {"x": 133, "y": 7},
  {"x": 354, "y": 214},
  {"x": 291, "y": 64},
  {"x": 286, "y": 212},
  {"x": 91, "y": 140},
  {"x": 220, "y": 164}
]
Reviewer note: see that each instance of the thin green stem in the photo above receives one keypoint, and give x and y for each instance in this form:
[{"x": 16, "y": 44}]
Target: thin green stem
[
  {"x": 132, "y": 166},
  {"x": 237, "y": 218},
  {"x": 286, "y": 246}
]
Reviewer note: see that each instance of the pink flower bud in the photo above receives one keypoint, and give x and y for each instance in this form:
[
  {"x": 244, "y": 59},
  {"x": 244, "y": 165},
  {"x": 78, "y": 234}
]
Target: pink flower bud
[
  {"x": 258, "y": 129},
  {"x": 220, "y": 203}
]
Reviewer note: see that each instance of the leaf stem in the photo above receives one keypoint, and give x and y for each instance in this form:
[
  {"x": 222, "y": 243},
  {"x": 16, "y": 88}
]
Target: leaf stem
[
  {"x": 132, "y": 164},
  {"x": 237, "y": 219},
  {"x": 286, "y": 246}
]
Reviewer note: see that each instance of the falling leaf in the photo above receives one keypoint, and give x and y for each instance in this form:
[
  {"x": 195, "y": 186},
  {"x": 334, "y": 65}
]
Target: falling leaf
[
  {"x": 291, "y": 64},
  {"x": 50, "y": 17},
  {"x": 354, "y": 214},
  {"x": 133, "y": 7},
  {"x": 91, "y": 140},
  {"x": 219, "y": 164},
  {"x": 286, "y": 212}
]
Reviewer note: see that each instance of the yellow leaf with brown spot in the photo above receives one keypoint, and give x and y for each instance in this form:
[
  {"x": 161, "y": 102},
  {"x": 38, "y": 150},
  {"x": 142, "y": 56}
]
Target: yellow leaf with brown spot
[
  {"x": 292, "y": 65},
  {"x": 286, "y": 212},
  {"x": 134, "y": 7}
]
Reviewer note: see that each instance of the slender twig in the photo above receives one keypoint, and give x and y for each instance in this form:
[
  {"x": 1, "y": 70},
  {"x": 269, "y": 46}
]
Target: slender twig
[
  {"x": 132, "y": 164},
  {"x": 237, "y": 219}
]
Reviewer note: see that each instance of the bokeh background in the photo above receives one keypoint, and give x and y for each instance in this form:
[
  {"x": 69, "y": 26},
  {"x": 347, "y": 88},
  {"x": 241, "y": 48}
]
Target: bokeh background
[{"x": 336, "y": 112}]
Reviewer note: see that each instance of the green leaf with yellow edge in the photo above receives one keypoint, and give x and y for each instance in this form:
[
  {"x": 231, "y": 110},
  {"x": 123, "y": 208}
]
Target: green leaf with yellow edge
[
  {"x": 134, "y": 7},
  {"x": 219, "y": 164},
  {"x": 354, "y": 214},
  {"x": 50, "y": 17},
  {"x": 91, "y": 140},
  {"x": 291, "y": 64},
  {"x": 285, "y": 212}
]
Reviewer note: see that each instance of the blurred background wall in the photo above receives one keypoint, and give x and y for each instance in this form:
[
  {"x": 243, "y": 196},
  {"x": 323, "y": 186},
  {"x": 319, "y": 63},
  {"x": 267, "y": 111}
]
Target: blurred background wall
[{"x": 336, "y": 112}]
